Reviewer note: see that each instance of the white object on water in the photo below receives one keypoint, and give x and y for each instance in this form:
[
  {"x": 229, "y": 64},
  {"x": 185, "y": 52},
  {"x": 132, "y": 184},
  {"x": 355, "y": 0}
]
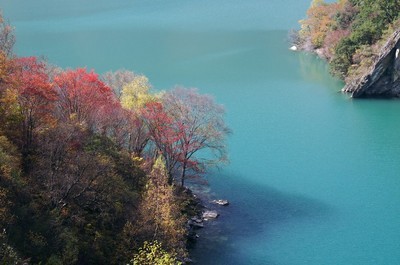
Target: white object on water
[{"x": 293, "y": 48}]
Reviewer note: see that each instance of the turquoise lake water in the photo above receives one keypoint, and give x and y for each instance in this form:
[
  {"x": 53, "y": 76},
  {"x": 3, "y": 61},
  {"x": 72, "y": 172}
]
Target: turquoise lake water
[{"x": 314, "y": 175}]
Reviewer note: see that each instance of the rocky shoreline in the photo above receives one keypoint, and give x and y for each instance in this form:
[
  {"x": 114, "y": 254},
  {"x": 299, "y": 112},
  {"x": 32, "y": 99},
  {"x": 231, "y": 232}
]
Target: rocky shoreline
[
  {"x": 204, "y": 211},
  {"x": 382, "y": 79},
  {"x": 361, "y": 42}
]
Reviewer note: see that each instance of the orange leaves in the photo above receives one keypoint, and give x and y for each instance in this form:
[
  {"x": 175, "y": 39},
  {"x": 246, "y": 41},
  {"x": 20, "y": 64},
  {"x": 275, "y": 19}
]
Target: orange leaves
[
  {"x": 326, "y": 25},
  {"x": 5, "y": 66},
  {"x": 320, "y": 20}
]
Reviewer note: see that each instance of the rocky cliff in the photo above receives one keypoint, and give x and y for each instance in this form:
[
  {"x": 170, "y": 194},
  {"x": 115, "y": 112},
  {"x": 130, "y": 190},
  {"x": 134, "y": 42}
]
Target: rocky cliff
[{"x": 383, "y": 78}]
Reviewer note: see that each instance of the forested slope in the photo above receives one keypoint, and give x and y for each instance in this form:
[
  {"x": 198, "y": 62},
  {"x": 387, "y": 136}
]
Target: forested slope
[
  {"x": 93, "y": 168},
  {"x": 352, "y": 35}
]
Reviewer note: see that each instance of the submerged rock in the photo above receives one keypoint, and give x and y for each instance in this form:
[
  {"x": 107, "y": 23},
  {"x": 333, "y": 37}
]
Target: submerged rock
[
  {"x": 195, "y": 223},
  {"x": 210, "y": 214},
  {"x": 196, "y": 219},
  {"x": 221, "y": 202},
  {"x": 187, "y": 261}
]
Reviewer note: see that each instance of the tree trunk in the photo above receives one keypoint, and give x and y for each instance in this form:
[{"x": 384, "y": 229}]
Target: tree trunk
[{"x": 183, "y": 174}]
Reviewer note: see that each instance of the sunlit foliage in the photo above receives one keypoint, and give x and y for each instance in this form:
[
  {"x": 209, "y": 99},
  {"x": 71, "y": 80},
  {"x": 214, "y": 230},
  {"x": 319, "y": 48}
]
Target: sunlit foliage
[
  {"x": 89, "y": 164},
  {"x": 153, "y": 254},
  {"x": 337, "y": 31}
]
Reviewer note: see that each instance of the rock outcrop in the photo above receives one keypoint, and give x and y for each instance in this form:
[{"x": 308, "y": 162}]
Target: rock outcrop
[
  {"x": 221, "y": 202},
  {"x": 210, "y": 214},
  {"x": 195, "y": 223},
  {"x": 383, "y": 78}
]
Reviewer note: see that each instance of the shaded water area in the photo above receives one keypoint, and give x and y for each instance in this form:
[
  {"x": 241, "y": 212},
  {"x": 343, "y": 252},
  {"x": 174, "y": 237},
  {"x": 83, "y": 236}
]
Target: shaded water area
[{"x": 314, "y": 175}]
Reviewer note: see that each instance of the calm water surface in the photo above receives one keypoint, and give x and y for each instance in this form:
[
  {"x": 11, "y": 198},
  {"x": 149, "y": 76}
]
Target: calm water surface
[{"x": 314, "y": 176}]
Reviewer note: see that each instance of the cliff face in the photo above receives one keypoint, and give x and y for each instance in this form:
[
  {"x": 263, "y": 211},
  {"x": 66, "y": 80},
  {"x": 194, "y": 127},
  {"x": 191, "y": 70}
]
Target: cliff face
[{"x": 383, "y": 78}]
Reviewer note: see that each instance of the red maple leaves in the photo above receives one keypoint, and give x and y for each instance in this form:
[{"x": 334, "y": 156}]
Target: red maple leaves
[
  {"x": 176, "y": 125},
  {"x": 82, "y": 96}
]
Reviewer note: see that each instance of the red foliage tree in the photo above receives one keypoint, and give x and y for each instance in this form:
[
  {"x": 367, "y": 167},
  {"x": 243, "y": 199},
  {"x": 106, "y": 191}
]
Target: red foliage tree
[
  {"x": 164, "y": 133},
  {"x": 82, "y": 96},
  {"x": 184, "y": 124},
  {"x": 200, "y": 126},
  {"x": 36, "y": 97},
  {"x": 118, "y": 124}
]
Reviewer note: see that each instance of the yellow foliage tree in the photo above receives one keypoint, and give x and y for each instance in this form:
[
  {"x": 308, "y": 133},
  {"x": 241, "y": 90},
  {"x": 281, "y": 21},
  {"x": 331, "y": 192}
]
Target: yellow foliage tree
[
  {"x": 9, "y": 159},
  {"x": 136, "y": 93},
  {"x": 153, "y": 254},
  {"x": 160, "y": 216}
]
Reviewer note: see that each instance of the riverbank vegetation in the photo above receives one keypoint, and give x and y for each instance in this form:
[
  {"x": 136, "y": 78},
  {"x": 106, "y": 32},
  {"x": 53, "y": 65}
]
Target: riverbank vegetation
[
  {"x": 93, "y": 168},
  {"x": 348, "y": 33}
]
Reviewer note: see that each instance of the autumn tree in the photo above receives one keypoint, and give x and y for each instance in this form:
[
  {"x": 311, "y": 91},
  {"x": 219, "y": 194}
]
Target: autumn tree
[
  {"x": 10, "y": 115},
  {"x": 184, "y": 124},
  {"x": 152, "y": 253},
  {"x": 200, "y": 126},
  {"x": 317, "y": 23},
  {"x": 85, "y": 182},
  {"x": 35, "y": 98},
  {"x": 135, "y": 95},
  {"x": 164, "y": 135},
  {"x": 75, "y": 164},
  {"x": 159, "y": 215},
  {"x": 6, "y": 68},
  {"x": 7, "y": 37},
  {"x": 82, "y": 198},
  {"x": 117, "y": 80},
  {"x": 115, "y": 122},
  {"x": 125, "y": 124},
  {"x": 82, "y": 96},
  {"x": 338, "y": 31}
]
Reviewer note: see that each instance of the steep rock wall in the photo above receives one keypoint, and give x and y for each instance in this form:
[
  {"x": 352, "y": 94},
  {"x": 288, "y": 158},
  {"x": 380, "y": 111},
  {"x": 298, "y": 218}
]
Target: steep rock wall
[{"x": 383, "y": 78}]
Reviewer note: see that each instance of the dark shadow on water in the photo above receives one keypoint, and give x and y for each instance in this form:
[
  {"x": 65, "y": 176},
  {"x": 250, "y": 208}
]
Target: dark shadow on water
[{"x": 253, "y": 209}]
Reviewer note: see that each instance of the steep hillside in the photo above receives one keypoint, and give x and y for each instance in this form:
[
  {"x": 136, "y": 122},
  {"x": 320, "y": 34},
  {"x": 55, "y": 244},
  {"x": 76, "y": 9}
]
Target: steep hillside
[{"x": 359, "y": 38}]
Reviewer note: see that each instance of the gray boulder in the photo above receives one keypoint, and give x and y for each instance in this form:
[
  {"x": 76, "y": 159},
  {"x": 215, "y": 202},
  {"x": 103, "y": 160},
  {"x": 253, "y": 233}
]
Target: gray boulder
[{"x": 210, "y": 214}]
